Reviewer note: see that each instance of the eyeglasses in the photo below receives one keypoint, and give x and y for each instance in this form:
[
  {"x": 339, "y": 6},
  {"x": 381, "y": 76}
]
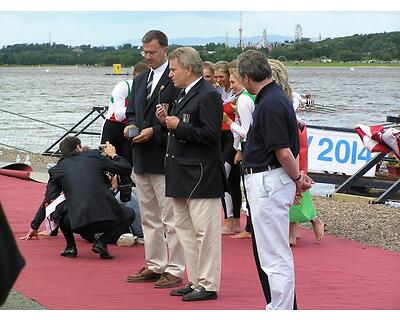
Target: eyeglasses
[{"x": 150, "y": 53}]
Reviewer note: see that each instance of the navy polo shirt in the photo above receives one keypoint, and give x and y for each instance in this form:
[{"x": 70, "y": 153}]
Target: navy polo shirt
[{"x": 274, "y": 127}]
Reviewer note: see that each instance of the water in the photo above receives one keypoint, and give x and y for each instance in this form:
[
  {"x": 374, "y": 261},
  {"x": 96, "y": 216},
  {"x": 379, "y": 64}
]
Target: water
[
  {"x": 365, "y": 95},
  {"x": 63, "y": 95}
]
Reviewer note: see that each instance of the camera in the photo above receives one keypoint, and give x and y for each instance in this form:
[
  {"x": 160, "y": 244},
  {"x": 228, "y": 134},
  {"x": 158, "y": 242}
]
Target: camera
[
  {"x": 125, "y": 188},
  {"x": 133, "y": 132}
]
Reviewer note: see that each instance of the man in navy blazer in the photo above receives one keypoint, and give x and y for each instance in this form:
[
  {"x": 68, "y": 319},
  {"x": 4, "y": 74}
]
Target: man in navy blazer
[
  {"x": 195, "y": 177},
  {"x": 164, "y": 253}
]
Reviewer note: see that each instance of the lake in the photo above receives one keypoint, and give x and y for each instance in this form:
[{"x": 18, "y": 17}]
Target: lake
[{"x": 63, "y": 95}]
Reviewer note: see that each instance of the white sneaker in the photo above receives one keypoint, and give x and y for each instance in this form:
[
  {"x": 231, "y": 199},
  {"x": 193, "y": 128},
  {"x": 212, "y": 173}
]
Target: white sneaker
[
  {"x": 126, "y": 240},
  {"x": 139, "y": 240}
]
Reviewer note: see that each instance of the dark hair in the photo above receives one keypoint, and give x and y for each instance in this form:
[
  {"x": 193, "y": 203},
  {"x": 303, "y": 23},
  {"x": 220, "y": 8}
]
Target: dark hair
[
  {"x": 255, "y": 65},
  {"x": 139, "y": 68},
  {"x": 157, "y": 35},
  {"x": 69, "y": 144}
]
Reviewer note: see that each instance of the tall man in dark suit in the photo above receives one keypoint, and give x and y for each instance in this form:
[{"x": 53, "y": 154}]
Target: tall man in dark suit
[
  {"x": 195, "y": 173},
  {"x": 164, "y": 253}
]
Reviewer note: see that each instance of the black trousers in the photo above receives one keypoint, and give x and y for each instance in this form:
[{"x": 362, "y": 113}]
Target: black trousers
[
  {"x": 110, "y": 230},
  {"x": 114, "y": 133},
  {"x": 228, "y": 155}
]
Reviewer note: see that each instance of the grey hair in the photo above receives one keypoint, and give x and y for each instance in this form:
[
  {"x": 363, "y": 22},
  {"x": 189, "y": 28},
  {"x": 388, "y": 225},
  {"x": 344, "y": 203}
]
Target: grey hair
[
  {"x": 255, "y": 65},
  {"x": 188, "y": 57}
]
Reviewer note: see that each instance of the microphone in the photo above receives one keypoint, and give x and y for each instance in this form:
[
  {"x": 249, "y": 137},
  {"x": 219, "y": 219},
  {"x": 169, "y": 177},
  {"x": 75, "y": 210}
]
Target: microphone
[{"x": 159, "y": 93}]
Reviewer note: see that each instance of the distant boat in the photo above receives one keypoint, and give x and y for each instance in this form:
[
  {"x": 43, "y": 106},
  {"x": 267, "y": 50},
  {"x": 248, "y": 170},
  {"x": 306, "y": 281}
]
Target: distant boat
[{"x": 117, "y": 71}]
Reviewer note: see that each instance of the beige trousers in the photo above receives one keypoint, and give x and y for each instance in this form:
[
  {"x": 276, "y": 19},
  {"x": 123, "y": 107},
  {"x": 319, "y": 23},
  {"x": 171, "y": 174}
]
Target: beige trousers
[
  {"x": 198, "y": 224},
  {"x": 163, "y": 250}
]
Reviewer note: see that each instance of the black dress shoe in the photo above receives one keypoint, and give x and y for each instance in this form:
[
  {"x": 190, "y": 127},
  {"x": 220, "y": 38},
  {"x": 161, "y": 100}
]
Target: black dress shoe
[
  {"x": 182, "y": 291},
  {"x": 69, "y": 252},
  {"x": 102, "y": 250},
  {"x": 199, "y": 294}
]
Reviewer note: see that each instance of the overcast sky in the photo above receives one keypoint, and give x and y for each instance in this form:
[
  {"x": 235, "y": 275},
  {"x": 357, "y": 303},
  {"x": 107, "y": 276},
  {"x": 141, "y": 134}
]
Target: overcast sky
[{"x": 114, "y": 28}]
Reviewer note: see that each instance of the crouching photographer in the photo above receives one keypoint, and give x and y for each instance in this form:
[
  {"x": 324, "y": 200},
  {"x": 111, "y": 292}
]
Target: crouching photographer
[{"x": 91, "y": 206}]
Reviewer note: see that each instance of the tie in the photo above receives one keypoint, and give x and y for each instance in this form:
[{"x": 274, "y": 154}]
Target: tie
[
  {"x": 181, "y": 95},
  {"x": 148, "y": 86}
]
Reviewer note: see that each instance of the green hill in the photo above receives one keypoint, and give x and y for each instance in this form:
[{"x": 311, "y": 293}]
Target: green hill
[{"x": 369, "y": 47}]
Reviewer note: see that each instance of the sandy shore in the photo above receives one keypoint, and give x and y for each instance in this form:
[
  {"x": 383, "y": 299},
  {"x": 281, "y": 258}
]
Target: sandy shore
[
  {"x": 372, "y": 224},
  {"x": 37, "y": 160}
]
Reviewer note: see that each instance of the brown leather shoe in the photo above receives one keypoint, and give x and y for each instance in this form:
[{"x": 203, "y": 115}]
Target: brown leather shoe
[
  {"x": 144, "y": 275},
  {"x": 167, "y": 280}
]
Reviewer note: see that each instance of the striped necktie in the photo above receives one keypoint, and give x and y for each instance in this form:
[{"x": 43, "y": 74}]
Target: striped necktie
[{"x": 148, "y": 86}]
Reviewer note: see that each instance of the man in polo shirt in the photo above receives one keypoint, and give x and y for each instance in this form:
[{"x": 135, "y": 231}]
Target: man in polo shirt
[{"x": 272, "y": 178}]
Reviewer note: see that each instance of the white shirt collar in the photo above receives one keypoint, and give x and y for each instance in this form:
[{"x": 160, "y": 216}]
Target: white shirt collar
[
  {"x": 160, "y": 70},
  {"x": 190, "y": 86}
]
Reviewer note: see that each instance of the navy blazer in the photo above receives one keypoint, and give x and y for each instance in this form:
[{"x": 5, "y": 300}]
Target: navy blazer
[
  {"x": 194, "y": 166},
  {"x": 87, "y": 195},
  {"x": 148, "y": 157}
]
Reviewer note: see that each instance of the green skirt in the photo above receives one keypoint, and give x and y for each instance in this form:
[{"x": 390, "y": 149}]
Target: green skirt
[{"x": 304, "y": 212}]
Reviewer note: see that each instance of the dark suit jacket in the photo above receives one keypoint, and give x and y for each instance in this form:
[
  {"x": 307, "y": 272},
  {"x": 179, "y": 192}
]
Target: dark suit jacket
[
  {"x": 148, "y": 157},
  {"x": 11, "y": 261},
  {"x": 194, "y": 166},
  {"x": 88, "y": 197}
]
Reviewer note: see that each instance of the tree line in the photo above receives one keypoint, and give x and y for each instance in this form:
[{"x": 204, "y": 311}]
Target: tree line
[{"x": 380, "y": 46}]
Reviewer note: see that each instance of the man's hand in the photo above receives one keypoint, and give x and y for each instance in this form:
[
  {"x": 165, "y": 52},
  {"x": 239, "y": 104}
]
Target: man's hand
[
  {"x": 31, "y": 234},
  {"x": 126, "y": 129},
  {"x": 307, "y": 182},
  {"x": 304, "y": 183},
  {"x": 238, "y": 157},
  {"x": 161, "y": 114},
  {"x": 109, "y": 150},
  {"x": 171, "y": 122},
  {"x": 144, "y": 135}
]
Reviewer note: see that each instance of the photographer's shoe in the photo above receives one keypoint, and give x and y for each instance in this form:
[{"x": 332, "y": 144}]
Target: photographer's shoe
[
  {"x": 102, "y": 250},
  {"x": 69, "y": 252},
  {"x": 126, "y": 240}
]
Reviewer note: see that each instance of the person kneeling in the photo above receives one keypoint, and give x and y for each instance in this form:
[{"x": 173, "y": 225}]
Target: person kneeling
[{"x": 92, "y": 207}]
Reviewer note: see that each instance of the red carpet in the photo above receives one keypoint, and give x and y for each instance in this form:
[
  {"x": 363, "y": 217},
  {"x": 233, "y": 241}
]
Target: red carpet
[
  {"x": 17, "y": 170},
  {"x": 338, "y": 274}
]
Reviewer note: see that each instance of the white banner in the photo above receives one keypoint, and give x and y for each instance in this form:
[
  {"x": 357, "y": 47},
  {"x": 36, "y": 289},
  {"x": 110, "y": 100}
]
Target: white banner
[{"x": 336, "y": 152}]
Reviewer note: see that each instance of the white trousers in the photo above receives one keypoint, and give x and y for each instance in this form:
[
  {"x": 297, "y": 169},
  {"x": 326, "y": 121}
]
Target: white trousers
[
  {"x": 270, "y": 195},
  {"x": 163, "y": 251}
]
